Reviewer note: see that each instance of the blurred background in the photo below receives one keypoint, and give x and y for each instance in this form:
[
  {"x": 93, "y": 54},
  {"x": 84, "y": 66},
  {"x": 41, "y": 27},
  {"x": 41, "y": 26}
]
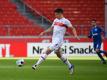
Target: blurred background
[
  {"x": 30, "y": 17},
  {"x": 21, "y": 21}
]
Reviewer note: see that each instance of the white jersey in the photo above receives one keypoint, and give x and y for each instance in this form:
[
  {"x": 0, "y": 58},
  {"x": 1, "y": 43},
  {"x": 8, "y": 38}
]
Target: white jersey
[{"x": 59, "y": 29}]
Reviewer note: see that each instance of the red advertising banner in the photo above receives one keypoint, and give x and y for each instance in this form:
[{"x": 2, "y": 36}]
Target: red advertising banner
[{"x": 17, "y": 47}]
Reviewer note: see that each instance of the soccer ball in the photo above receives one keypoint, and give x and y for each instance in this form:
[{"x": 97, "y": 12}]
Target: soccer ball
[{"x": 20, "y": 62}]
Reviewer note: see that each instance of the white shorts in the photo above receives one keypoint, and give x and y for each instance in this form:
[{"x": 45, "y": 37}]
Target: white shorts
[{"x": 56, "y": 44}]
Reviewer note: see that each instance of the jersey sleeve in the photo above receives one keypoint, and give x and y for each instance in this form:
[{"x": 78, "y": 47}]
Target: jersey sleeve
[
  {"x": 68, "y": 23},
  {"x": 53, "y": 23},
  {"x": 90, "y": 34},
  {"x": 102, "y": 31}
]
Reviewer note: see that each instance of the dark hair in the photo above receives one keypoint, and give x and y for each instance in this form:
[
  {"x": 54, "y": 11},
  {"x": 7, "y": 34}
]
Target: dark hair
[
  {"x": 94, "y": 20},
  {"x": 58, "y": 10}
]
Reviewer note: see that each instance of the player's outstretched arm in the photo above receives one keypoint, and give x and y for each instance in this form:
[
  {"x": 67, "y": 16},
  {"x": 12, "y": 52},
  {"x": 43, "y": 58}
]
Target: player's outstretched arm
[
  {"x": 103, "y": 33},
  {"x": 90, "y": 34},
  {"x": 46, "y": 31},
  {"x": 74, "y": 32}
]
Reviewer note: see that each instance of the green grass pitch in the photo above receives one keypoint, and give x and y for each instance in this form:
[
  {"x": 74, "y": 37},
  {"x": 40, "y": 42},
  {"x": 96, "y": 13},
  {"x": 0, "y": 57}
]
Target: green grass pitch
[{"x": 53, "y": 69}]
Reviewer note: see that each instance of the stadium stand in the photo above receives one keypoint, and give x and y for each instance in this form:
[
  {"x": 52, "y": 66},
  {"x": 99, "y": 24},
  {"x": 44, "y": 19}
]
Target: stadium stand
[
  {"x": 77, "y": 12},
  {"x": 12, "y": 23}
]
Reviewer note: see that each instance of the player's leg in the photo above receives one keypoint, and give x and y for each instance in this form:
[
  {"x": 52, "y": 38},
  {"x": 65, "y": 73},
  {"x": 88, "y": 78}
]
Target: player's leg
[
  {"x": 100, "y": 56},
  {"x": 42, "y": 58},
  {"x": 97, "y": 47},
  {"x": 105, "y": 53},
  {"x": 62, "y": 57},
  {"x": 65, "y": 60}
]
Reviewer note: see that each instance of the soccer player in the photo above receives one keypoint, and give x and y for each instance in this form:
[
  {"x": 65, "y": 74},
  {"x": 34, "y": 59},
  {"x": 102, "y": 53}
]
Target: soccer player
[
  {"x": 59, "y": 27},
  {"x": 96, "y": 34}
]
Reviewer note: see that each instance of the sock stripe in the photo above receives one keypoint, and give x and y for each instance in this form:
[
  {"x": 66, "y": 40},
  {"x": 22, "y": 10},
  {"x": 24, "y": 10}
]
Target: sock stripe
[
  {"x": 65, "y": 60},
  {"x": 43, "y": 58},
  {"x": 71, "y": 67}
]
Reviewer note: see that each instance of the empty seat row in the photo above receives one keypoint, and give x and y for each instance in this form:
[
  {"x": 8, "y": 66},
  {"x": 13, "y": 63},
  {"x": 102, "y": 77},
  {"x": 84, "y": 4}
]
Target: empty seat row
[
  {"x": 78, "y": 12},
  {"x": 12, "y": 23}
]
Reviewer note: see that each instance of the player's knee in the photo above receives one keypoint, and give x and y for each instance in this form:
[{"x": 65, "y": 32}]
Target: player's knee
[
  {"x": 97, "y": 50},
  {"x": 48, "y": 51},
  {"x": 58, "y": 54}
]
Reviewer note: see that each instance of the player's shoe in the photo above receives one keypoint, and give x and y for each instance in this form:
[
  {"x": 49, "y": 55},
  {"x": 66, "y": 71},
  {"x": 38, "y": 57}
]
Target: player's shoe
[
  {"x": 71, "y": 69},
  {"x": 34, "y": 67}
]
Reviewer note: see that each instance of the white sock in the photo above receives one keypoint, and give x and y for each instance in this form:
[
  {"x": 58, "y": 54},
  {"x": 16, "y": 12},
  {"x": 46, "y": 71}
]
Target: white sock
[
  {"x": 65, "y": 60},
  {"x": 41, "y": 59}
]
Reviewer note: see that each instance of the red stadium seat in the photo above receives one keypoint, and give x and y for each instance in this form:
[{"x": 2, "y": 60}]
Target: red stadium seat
[
  {"x": 15, "y": 21},
  {"x": 80, "y": 13}
]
